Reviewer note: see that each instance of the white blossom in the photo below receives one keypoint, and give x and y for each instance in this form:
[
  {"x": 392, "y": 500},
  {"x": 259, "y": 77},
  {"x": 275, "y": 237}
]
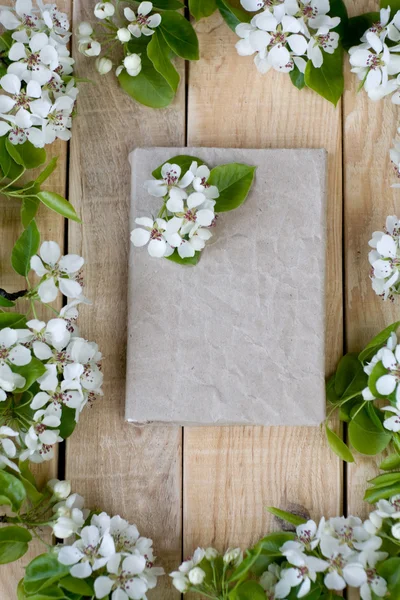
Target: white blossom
[
  {"x": 8, "y": 449},
  {"x": 90, "y": 553},
  {"x": 385, "y": 259},
  {"x": 170, "y": 180},
  {"x": 104, "y": 65},
  {"x": 70, "y": 516},
  {"x": 104, "y": 10},
  {"x": 142, "y": 23}
]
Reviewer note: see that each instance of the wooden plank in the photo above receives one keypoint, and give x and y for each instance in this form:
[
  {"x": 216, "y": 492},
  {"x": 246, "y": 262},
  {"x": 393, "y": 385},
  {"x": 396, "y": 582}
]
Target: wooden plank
[
  {"x": 369, "y": 128},
  {"x": 232, "y": 474},
  {"x": 51, "y": 227},
  {"x": 134, "y": 472}
]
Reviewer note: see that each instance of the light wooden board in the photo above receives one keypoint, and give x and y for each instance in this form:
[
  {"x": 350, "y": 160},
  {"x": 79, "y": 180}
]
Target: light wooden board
[
  {"x": 232, "y": 474},
  {"x": 369, "y": 128}
]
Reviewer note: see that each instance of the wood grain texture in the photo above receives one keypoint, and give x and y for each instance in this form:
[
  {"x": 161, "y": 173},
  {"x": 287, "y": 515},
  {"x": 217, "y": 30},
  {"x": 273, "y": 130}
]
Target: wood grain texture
[
  {"x": 134, "y": 472},
  {"x": 232, "y": 474},
  {"x": 51, "y": 227},
  {"x": 369, "y": 128}
]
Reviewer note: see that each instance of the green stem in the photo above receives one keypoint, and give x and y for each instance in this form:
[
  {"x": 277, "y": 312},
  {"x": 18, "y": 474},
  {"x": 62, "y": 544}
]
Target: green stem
[{"x": 11, "y": 183}]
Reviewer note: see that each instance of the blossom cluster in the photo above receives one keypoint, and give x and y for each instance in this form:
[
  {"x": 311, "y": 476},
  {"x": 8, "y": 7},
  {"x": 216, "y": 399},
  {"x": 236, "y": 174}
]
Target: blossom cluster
[
  {"x": 387, "y": 384},
  {"x": 143, "y": 22},
  {"x": 70, "y": 374},
  {"x": 288, "y": 33},
  {"x": 376, "y": 61},
  {"x": 384, "y": 259},
  {"x": 186, "y": 216},
  {"x": 338, "y": 552},
  {"x": 39, "y": 91},
  {"x": 112, "y": 551}
]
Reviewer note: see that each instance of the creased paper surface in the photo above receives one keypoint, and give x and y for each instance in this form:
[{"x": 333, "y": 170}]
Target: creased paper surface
[{"x": 239, "y": 338}]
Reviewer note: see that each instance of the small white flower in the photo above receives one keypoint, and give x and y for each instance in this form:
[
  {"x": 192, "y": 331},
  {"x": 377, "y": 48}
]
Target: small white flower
[
  {"x": 211, "y": 554},
  {"x": 8, "y": 449},
  {"x": 90, "y": 553},
  {"x": 19, "y": 97},
  {"x": 70, "y": 515},
  {"x": 133, "y": 64},
  {"x": 200, "y": 181},
  {"x": 104, "y": 65},
  {"x": 180, "y": 581},
  {"x": 392, "y": 423},
  {"x": 341, "y": 572},
  {"x": 233, "y": 556},
  {"x": 56, "y": 272},
  {"x": 35, "y": 60},
  {"x": 125, "y": 578},
  {"x": 324, "y": 40},
  {"x": 61, "y": 489},
  {"x": 143, "y": 23},
  {"x": 154, "y": 234},
  {"x": 171, "y": 180},
  {"x": 196, "y": 576},
  {"x": 9, "y": 381},
  {"x": 85, "y": 29},
  {"x": 104, "y": 10},
  {"x": 89, "y": 47},
  {"x": 124, "y": 35},
  {"x": 304, "y": 571},
  {"x": 11, "y": 351}
]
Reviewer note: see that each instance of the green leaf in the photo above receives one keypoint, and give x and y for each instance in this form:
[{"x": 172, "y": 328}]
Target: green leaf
[
  {"x": 158, "y": 52},
  {"x": 168, "y": 4},
  {"x": 328, "y": 80},
  {"x": 13, "y": 543},
  {"x": 21, "y": 591},
  {"x": 13, "y": 320},
  {"x": 385, "y": 479},
  {"x": 234, "y": 182},
  {"x": 68, "y": 422},
  {"x": 47, "y": 171},
  {"x": 29, "y": 209},
  {"x": 42, "y": 572},
  {"x": 377, "y": 342},
  {"x": 390, "y": 570},
  {"x": 378, "y": 371},
  {"x": 394, "y": 5},
  {"x": 286, "y": 516},
  {"x": 184, "y": 261},
  {"x": 233, "y": 15},
  {"x": 338, "y": 9},
  {"x": 53, "y": 593},
  {"x": 26, "y": 155},
  {"x": 245, "y": 566},
  {"x": 182, "y": 160},
  {"x": 32, "y": 493},
  {"x": 202, "y": 8},
  {"x": 6, "y": 303},
  {"x": 179, "y": 34},
  {"x": 338, "y": 445},
  {"x": 297, "y": 78},
  {"x": 149, "y": 87},
  {"x": 12, "y": 489},
  {"x": 5, "y": 158},
  {"x": 249, "y": 590},
  {"x": 59, "y": 204},
  {"x": 25, "y": 247},
  {"x": 350, "y": 379},
  {"x": 76, "y": 586},
  {"x": 390, "y": 462},
  {"x": 365, "y": 435},
  {"x": 356, "y": 27},
  {"x": 31, "y": 372},
  {"x": 372, "y": 495},
  {"x": 272, "y": 542}
]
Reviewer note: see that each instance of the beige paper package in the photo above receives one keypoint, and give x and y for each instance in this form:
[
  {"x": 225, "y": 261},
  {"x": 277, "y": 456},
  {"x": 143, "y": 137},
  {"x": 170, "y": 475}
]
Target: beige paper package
[{"x": 240, "y": 337}]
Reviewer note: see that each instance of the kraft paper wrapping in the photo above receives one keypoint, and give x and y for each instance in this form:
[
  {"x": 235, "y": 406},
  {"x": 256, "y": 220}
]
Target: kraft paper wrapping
[{"x": 239, "y": 338}]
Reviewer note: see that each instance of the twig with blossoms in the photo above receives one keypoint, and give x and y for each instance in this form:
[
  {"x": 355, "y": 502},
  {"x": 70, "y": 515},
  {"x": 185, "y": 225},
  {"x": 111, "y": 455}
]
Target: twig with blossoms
[{"x": 191, "y": 199}]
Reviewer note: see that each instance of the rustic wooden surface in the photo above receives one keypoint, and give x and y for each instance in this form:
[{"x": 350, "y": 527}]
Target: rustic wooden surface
[{"x": 211, "y": 485}]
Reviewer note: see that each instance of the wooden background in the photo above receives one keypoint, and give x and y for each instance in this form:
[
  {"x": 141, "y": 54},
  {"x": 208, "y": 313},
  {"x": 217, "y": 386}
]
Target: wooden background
[{"x": 210, "y": 486}]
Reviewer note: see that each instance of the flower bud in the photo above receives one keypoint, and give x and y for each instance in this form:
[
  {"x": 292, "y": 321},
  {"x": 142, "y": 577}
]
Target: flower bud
[
  {"x": 103, "y": 10},
  {"x": 211, "y": 554},
  {"x": 103, "y": 65},
  {"x": 133, "y": 64},
  {"x": 64, "y": 527},
  {"x": 123, "y": 34},
  {"x": 62, "y": 489},
  {"x": 85, "y": 29},
  {"x": 196, "y": 576},
  {"x": 180, "y": 581},
  {"x": 396, "y": 531},
  {"x": 233, "y": 556},
  {"x": 89, "y": 47}
]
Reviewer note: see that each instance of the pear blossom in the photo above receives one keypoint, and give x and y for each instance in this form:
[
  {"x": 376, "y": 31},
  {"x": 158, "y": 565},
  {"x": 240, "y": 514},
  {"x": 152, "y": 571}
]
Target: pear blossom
[
  {"x": 104, "y": 10},
  {"x": 233, "y": 556},
  {"x": 304, "y": 571},
  {"x": 61, "y": 489},
  {"x": 180, "y": 578},
  {"x": 19, "y": 98},
  {"x": 89, "y": 47},
  {"x": 8, "y": 449},
  {"x": 324, "y": 40},
  {"x": 133, "y": 65},
  {"x": 200, "y": 182},
  {"x": 273, "y": 585},
  {"x": 90, "y": 553},
  {"x": 56, "y": 272},
  {"x": 395, "y": 158},
  {"x": 54, "y": 118},
  {"x": 313, "y": 13},
  {"x": 341, "y": 571},
  {"x": 70, "y": 516},
  {"x": 11, "y": 351},
  {"x": 170, "y": 180},
  {"x": 85, "y": 29},
  {"x": 385, "y": 259},
  {"x": 104, "y": 65},
  {"x": 142, "y": 23},
  {"x": 124, "y": 578},
  {"x": 43, "y": 337},
  {"x": 153, "y": 234},
  {"x": 9, "y": 381},
  {"x": 35, "y": 60},
  {"x": 392, "y": 423}
]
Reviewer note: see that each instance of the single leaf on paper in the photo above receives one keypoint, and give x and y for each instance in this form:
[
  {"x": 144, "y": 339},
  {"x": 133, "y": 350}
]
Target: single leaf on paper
[
  {"x": 233, "y": 182},
  {"x": 338, "y": 445},
  {"x": 233, "y": 15},
  {"x": 158, "y": 52},
  {"x": 149, "y": 87},
  {"x": 182, "y": 160},
  {"x": 202, "y": 8},
  {"x": 25, "y": 247},
  {"x": 328, "y": 80},
  {"x": 59, "y": 204},
  {"x": 179, "y": 34},
  {"x": 14, "y": 542}
]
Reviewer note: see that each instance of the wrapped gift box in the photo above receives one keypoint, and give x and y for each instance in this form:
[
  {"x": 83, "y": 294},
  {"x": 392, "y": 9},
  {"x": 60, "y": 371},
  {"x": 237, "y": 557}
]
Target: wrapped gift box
[{"x": 238, "y": 338}]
